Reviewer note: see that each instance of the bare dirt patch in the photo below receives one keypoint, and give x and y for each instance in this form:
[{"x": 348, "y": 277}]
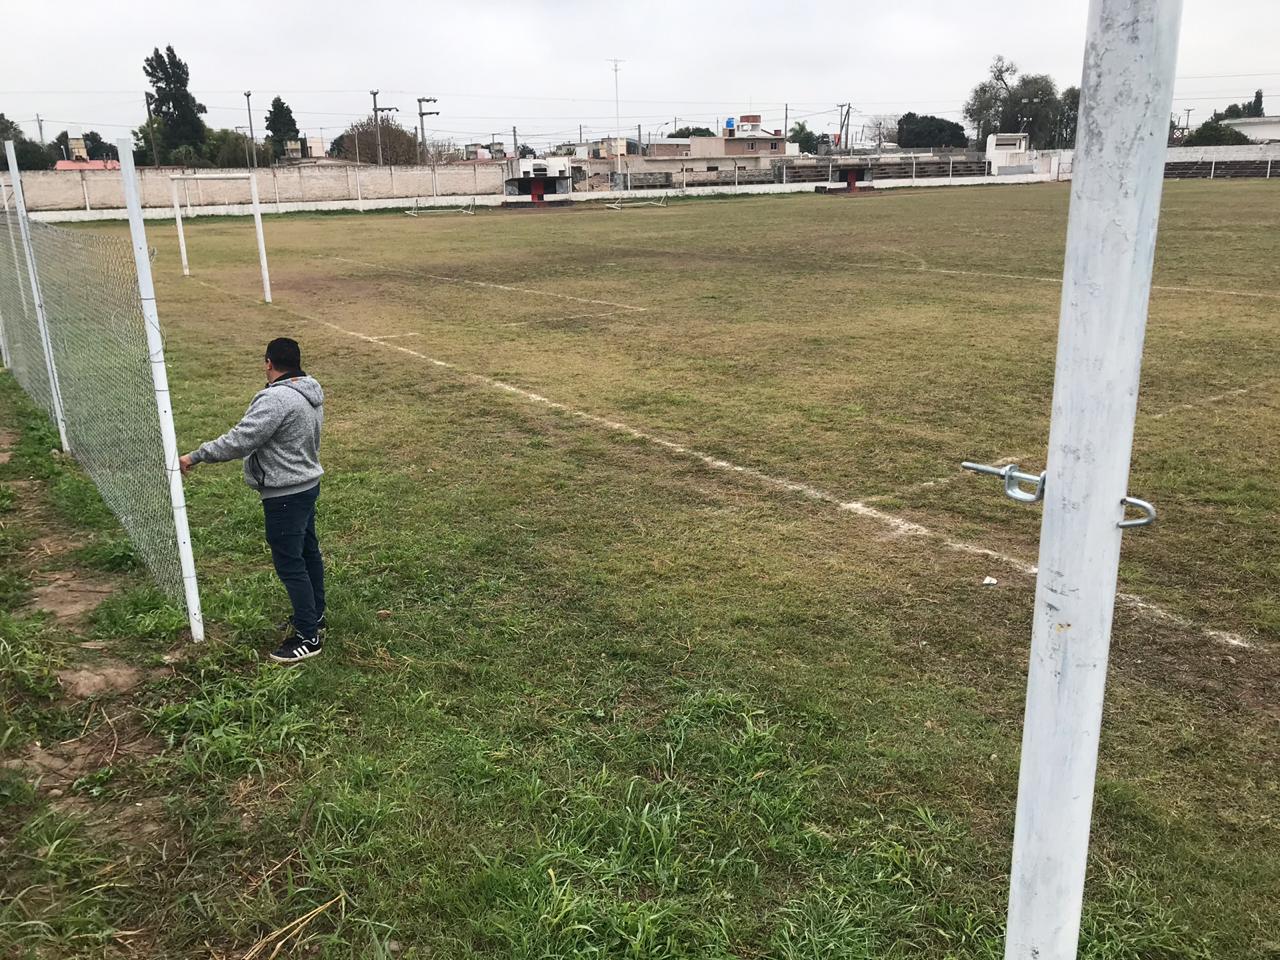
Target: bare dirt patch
[
  {"x": 96, "y": 679},
  {"x": 49, "y": 545},
  {"x": 53, "y": 768},
  {"x": 68, "y": 595}
]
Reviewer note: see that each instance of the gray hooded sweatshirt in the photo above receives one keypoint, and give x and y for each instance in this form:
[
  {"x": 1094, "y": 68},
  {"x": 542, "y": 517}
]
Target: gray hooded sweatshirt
[{"x": 278, "y": 438}]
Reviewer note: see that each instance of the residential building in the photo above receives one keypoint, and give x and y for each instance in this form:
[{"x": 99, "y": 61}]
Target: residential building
[{"x": 1257, "y": 129}]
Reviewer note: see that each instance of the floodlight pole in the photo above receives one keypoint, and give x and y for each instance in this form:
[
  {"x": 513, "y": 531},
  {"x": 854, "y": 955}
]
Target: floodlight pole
[
  {"x": 37, "y": 296},
  {"x": 1126, "y": 94},
  {"x": 377, "y": 128},
  {"x": 160, "y": 382}
]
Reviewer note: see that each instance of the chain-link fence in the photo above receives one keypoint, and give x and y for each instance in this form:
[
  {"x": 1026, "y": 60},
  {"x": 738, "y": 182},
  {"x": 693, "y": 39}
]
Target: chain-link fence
[
  {"x": 18, "y": 312},
  {"x": 98, "y": 373}
]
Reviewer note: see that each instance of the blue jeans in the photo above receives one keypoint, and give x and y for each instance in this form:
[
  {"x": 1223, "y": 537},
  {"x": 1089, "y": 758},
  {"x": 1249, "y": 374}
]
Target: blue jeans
[{"x": 295, "y": 551}]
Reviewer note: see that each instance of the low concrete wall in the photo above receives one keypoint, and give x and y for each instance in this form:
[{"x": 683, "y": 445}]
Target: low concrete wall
[
  {"x": 1003, "y": 179},
  {"x": 1251, "y": 151},
  {"x": 402, "y": 203},
  {"x": 277, "y": 186}
]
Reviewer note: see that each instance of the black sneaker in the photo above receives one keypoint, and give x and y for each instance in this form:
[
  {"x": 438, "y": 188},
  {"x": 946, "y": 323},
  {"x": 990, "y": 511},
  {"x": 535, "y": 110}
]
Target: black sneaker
[
  {"x": 288, "y": 632},
  {"x": 296, "y": 649}
]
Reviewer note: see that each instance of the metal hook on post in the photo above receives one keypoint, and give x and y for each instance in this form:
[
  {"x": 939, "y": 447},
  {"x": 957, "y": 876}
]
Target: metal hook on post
[
  {"x": 1014, "y": 480},
  {"x": 1148, "y": 511},
  {"x": 1016, "y": 488}
]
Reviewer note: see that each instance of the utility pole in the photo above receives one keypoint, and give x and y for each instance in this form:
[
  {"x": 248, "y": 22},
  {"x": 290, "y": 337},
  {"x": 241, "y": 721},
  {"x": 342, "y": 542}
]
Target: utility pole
[
  {"x": 515, "y": 144},
  {"x": 377, "y": 122},
  {"x": 151, "y": 129},
  {"x": 253, "y": 152},
  {"x": 786, "y": 121},
  {"x": 422, "y": 130},
  {"x": 40, "y": 128},
  {"x": 579, "y": 133},
  {"x": 617, "y": 116}
]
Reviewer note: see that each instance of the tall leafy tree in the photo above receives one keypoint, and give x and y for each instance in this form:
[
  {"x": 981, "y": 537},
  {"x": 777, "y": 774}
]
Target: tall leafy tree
[
  {"x": 99, "y": 149},
  {"x": 1032, "y": 108},
  {"x": 987, "y": 102},
  {"x": 1214, "y": 133},
  {"x": 148, "y": 140},
  {"x": 9, "y": 130},
  {"x": 173, "y": 103},
  {"x": 31, "y": 155},
  {"x": 802, "y": 135},
  {"x": 399, "y": 146},
  {"x": 929, "y": 131},
  {"x": 1237, "y": 111},
  {"x": 281, "y": 125},
  {"x": 692, "y": 132},
  {"x": 1068, "y": 115}
]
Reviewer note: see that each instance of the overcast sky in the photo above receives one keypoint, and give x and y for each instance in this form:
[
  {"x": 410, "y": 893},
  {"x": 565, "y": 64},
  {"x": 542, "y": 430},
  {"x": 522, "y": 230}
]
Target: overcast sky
[{"x": 543, "y": 65}]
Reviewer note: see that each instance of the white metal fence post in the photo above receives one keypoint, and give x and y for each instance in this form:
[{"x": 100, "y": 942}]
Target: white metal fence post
[
  {"x": 160, "y": 380},
  {"x": 37, "y": 297},
  {"x": 4, "y": 340},
  {"x": 1125, "y": 99},
  {"x": 1212, "y": 167}
]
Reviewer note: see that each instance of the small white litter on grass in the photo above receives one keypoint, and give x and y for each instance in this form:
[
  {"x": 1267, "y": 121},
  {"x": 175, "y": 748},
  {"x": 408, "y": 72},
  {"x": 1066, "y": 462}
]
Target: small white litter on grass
[{"x": 989, "y": 581}]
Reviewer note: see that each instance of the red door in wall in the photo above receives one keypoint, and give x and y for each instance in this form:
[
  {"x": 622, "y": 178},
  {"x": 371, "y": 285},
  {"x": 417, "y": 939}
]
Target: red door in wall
[{"x": 537, "y": 189}]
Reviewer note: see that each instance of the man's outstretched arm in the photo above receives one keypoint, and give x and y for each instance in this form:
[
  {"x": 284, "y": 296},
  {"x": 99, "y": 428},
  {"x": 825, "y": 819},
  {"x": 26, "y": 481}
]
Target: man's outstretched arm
[{"x": 254, "y": 429}]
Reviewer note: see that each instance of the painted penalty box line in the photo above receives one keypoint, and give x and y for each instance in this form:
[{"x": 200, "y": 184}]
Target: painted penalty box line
[{"x": 898, "y": 525}]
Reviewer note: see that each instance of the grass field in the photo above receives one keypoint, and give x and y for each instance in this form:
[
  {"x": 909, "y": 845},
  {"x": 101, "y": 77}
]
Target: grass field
[{"x": 656, "y": 591}]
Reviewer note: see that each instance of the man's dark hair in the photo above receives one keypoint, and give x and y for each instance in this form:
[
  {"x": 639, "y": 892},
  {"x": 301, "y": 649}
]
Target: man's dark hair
[{"x": 284, "y": 354}]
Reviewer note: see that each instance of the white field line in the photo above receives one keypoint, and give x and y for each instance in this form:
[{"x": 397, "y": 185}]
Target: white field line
[
  {"x": 394, "y": 336},
  {"x": 1217, "y": 398},
  {"x": 938, "y": 481},
  {"x": 897, "y": 526},
  {"x": 493, "y": 286}
]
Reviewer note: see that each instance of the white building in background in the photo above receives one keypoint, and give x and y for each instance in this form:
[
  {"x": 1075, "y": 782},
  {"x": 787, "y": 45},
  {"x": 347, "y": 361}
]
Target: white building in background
[
  {"x": 1257, "y": 129},
  {"x": 1009, "y": 152}
]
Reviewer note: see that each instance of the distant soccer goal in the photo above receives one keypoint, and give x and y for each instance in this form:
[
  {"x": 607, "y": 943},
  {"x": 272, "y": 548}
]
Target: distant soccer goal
[
  {"x": 419, "y": 207},
  {"x": 177, "y": 178},
  {"x": 620, "y": 203},
  {"x": 81, "y": 335}
]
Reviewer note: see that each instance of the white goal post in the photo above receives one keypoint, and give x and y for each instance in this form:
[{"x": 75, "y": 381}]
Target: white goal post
[{"x": 174, "y": 179}]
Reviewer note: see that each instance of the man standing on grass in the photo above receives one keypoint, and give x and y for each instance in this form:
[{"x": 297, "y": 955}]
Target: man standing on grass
[{"x": 279, "y": 441}]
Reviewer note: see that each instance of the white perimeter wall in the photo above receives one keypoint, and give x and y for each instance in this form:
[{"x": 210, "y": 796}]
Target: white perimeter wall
[{"x": 99, "y": 189}]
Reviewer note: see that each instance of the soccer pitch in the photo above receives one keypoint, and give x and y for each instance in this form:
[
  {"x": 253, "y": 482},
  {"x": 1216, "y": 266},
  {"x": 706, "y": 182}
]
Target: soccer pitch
[{"x": 658, "y": 604}]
